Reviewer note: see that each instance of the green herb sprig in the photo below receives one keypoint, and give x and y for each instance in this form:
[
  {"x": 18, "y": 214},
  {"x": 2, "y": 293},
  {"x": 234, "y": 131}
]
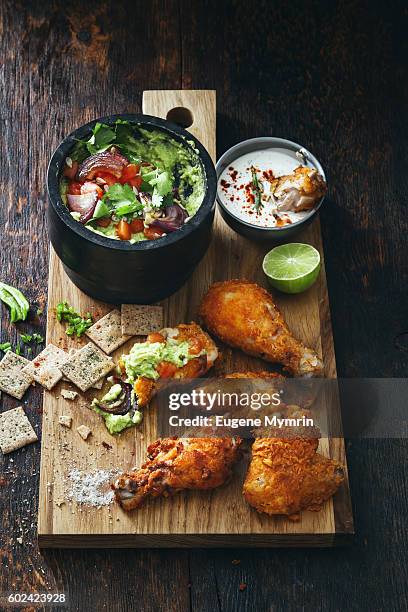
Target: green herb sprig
[{"x": 257, "y": 189}]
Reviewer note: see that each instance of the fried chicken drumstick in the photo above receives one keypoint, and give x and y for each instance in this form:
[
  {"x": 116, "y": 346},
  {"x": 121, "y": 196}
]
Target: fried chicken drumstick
[
  {"x": 243, "y": 315},
  {"x": 177, "y": 464}
]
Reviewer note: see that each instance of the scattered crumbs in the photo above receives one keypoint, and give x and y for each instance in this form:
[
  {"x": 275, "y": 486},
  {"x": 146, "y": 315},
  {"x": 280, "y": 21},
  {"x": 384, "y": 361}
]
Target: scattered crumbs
[
  {"x": 91, "y": 488},
  {"x": 69, "y": 395},
  {"x": 59, "y": 503},
  {"x": 84, "y": 431},
  {"x": 242, "y": 586},
  {"x": 236, "y": 561}
]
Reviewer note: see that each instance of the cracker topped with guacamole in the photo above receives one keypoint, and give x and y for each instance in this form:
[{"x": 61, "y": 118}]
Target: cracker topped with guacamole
[{"x": 131, "y": 183}]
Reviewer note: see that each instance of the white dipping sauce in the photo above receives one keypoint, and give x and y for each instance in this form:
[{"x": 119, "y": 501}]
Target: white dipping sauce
[{"x": 236, "y": 193}]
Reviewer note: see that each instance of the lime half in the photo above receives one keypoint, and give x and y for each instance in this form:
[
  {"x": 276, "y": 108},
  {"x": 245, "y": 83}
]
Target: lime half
[{"x": 292, "y": 268}]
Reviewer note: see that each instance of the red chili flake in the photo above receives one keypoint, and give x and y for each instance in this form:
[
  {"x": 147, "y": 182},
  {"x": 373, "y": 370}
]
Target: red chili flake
[
  {"x": 242, "y": 586},
  {"x": 233, "y": 174},
  {"x": 107, "y": 446},
  {"x": 37, "y": 364},
  {"x": 232, "y": 198},
  {"x": 225, "y": 184},
  {"x": 268, "y": 175}
]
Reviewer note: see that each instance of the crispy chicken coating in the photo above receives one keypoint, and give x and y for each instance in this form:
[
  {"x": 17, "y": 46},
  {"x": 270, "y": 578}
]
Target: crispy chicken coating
[
  {"x": 288, "y": 476},
  {"x": 175, "y": 464},
  {"x": 244, "y": 315},
  {"x": 198, "y": 342},
  {"x": 299, "y": 190}
]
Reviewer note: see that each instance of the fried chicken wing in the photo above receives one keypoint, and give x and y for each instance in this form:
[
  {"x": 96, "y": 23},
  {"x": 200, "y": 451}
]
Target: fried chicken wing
[
  {"x": 299, "y": 190},
  {"x": 177, "y": 464},
  {"x": 200, "y": 344},
  {"x": 288, "y": 476},
  {"x": 244, "y": 315}
]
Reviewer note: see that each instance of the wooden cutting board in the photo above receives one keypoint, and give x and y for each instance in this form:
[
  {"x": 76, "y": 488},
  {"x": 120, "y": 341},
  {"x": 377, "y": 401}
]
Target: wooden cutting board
[{"x": 215, "y": 518}]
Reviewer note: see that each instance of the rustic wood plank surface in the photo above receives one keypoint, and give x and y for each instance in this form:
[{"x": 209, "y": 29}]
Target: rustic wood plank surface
[{"x": 330, "y": 75}]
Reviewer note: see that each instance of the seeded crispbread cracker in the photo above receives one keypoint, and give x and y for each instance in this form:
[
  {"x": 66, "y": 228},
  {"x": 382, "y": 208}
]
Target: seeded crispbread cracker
[
  {"x": 87, "y": 366},
  {"x": 15, "y": 430},
  {"x": 141, "y": 320},
  {"x": 13, "y": 380},
  {"x": 107, "y": 332},
  {"x": 46, "y": 367},
  {"x": 97, "y": 385}
]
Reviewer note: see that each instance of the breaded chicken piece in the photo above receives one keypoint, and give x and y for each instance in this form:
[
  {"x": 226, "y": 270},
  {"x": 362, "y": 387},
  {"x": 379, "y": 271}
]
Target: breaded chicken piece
[
  {"x": 288, "y": 476},
  {"x": 175, "y": 464},
  {"x": 198, "y": 341},
  {"x": 244, "y": 315},
  {"x": 298, "y": 191}
]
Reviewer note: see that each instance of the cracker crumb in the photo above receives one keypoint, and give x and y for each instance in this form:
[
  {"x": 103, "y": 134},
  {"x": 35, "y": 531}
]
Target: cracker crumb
[
  {"x": 84, "y": 431},
  {"x": 65, "y": 420}
]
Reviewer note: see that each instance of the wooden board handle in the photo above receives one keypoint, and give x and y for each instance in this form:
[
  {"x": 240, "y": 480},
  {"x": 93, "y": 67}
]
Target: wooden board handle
[{"x": 194, "y": 110}]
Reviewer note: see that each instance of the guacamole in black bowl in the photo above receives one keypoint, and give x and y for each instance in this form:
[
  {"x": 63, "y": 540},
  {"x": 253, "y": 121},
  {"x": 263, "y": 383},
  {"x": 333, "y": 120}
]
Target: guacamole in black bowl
[
  {"x": 131, "y": 207},
  {"x": 129, "y": 183}
]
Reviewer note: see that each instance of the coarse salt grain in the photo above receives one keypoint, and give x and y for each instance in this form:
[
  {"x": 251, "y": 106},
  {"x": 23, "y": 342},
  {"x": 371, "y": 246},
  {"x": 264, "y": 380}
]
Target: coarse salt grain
[{"x": 91, "y": 488}]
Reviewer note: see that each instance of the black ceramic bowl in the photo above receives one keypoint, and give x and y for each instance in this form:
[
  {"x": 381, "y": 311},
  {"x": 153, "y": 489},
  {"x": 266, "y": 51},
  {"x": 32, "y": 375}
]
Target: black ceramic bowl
[
  {"x": 118, "y": 271},
  {"x": 257, "y": 232}
]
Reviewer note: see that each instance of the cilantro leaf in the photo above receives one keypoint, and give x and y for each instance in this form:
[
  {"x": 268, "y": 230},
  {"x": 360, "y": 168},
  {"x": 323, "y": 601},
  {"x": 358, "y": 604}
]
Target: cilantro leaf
[
  {"x": 162, "y": 181},
  {"x": 123, "y": 199},
  {"x": 5, "y": 347}
]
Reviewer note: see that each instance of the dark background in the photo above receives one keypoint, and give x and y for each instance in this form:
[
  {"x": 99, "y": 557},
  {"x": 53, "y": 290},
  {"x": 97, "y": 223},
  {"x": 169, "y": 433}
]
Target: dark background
[{"x": 330, "y": 75}]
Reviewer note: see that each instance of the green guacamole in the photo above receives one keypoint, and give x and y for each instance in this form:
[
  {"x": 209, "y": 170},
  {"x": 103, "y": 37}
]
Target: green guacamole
[{"x": 130, "y": 183}]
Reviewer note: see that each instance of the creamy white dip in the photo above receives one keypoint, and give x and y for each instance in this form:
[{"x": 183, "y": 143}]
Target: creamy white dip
[{"x": 236, "y": 192}]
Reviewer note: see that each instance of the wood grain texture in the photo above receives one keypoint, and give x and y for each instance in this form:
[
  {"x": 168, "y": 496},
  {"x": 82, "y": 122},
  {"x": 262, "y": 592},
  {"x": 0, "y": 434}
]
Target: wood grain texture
[
  {"x": 219, "y": 517},
  {"x": 333, "y": 76}
]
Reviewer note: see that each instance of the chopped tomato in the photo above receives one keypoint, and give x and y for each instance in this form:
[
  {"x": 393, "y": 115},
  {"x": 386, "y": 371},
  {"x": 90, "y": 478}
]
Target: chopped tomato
[
  {"x": 156, "y": 337},
  {"x": 104, "y": 222},
  {"x": 74, "y": 188},
  {"x": 108, "y": 178},
  {"x": 152, "y": 233},
  {"x": 123, "y": 230},
  {"x": 137, "y": 226},
  {"x": 166, "y": 369},
  {"x": 89, "y": 187},
  {"x": 71, "y": 172},
  {"x": 129, "y": 172},
  {"x": 136, "y": 182}
]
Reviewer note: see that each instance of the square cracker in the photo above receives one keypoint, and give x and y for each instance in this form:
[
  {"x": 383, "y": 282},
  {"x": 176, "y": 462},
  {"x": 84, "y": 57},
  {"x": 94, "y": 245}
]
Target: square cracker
[
  {"x": 107, "y": 332},
  {"x": 46, "y": 367},
  {"x": 97, "y": 385},
  {"x": 141, "y": 320},
  {"x": 87, "y": 366},
  {"x": 13, "y": 380},
  {"x": 15, "y": 430}
]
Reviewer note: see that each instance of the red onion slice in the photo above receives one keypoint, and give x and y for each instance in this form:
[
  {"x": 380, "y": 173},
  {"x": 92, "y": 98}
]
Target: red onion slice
[
  {"x": 113, "y": 163},
  {"x": 174, "y": 219},
  {"x": 83, "y": 204}
]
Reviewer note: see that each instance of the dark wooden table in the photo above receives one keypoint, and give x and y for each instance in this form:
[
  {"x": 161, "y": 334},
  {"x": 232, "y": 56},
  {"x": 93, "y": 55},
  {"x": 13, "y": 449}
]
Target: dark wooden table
[{"x": 330, "y": 75}]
